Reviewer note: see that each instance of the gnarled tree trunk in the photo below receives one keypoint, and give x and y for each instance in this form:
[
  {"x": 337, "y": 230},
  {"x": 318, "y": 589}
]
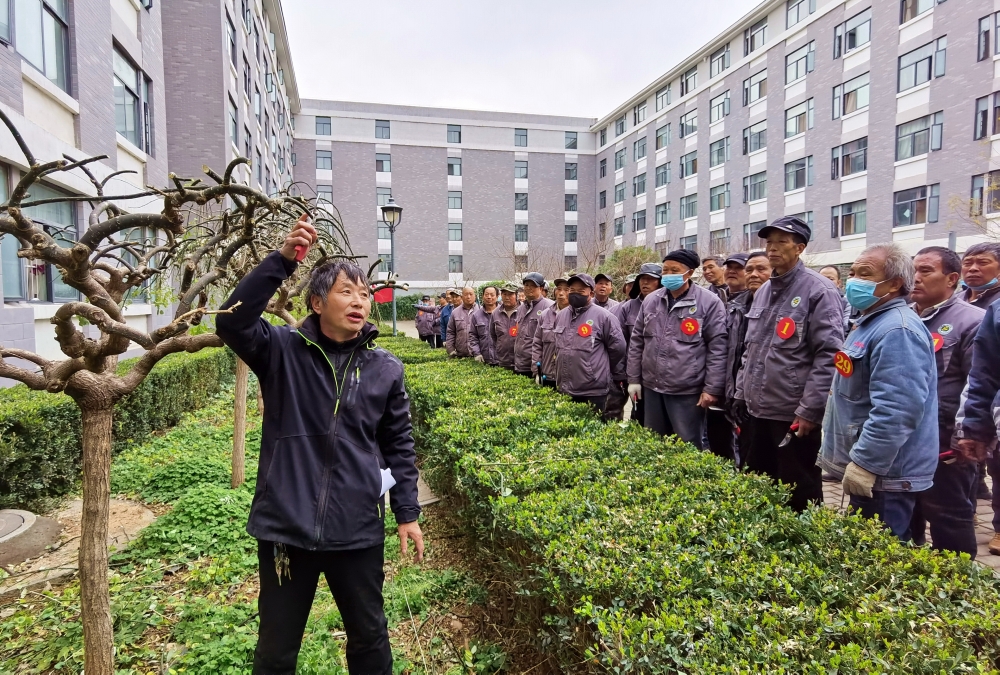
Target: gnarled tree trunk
[
  {"x": 95, "y": 603},
  {"x": 240, "y": 423}
]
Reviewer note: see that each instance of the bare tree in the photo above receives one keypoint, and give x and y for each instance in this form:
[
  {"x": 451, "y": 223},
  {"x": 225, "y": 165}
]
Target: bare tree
[
  {"x": 971, "y": 210},
  {"x": 105, "y": 266},
  {"x": 513, "y": 265},
  {"x": 594, "y": 246}
]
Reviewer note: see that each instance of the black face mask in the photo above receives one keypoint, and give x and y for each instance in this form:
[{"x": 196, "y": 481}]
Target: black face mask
[{"x": 576, "y": 301}]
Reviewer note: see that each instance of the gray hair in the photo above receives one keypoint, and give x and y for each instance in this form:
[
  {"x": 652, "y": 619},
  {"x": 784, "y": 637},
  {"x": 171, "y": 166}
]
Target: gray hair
[
  {"x": 898, "y": 264},
  {"x": 325, "y": 276}
]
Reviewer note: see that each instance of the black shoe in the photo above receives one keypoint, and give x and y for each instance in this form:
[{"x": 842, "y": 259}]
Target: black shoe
[{"x": 830, "y": 478}]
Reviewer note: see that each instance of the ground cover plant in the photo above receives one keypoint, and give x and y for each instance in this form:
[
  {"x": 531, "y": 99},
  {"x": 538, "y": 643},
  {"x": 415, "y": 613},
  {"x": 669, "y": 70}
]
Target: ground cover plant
[{"x": 632, "y": 553}]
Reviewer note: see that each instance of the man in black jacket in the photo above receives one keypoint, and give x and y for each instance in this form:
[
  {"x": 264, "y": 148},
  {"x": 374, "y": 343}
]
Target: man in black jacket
[{"x": 336, "y": 436}]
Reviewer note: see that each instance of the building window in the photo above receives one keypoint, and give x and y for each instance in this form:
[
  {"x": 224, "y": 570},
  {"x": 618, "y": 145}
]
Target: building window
[
  {"x": 755, "y": 137},
  {"x": 798, "y": 10},
  {"x": 324, "y": 159},
  {"x": 569, "y": 233},
  {"x": 454, "y": 231},
  {"x": 689, "y": 123},
  {"x": 602, "y": 199},
  {"x": 455, "y": 200},
  {"x": 755, "y": 87},
  {"x": 570, "y": 171},
  {"x": 520, "y": 168},
  {"x": 521, "y": 138},
  {"x": 985, "y": 190},
  {"x": 850, "y": 96},
  {"x": 454, "y": 166},
  {"x": 620, "y": 158},
  {"x": 853, "y": 33},
  {"x": 917, "y": 206},
  {"x": 570, "y": 202},
  {"x": 690, "y": 243},
  {"x": 718, "y": 152},
  {"x": 324, "y": 193},
  {"x": 718, "y": 107},
  {"x": 247, "y": 77},
  {"x": 981, "y": 122},
  {"x": 922, "y": 64},
  {"x": 603, "y": 170},
  {"x": 571, "y": 139},
  {"x": 848, "y": 219},
  {"x": 258, "y": 166},
  {"x": 620, "y": 126},
  {"x": 663, "y": 137},
  {"x": 689, "y": 207},
  {"x": 983, "y": 39},
  {"x": 639, "y": 149},
  {"x": 230, "y": 38},
  {"x": 382, "y": 129},
  {"x": 324, "y": 126},
  {"x": 663, "y": 174},
  {"x": 383, "y": 163},
  {"x": 384, "y": 259},
  {"x": 751, "y": 233},
  {"x": 689, "y": 81},
  {"x": 755, "y": 36},
  {"x": 619, "y": 226},
  {"x": 604, "y": 136},
  {"x": 382, "y": 196},
  {"x": 663, "y": 213},
  {"x": 58, "y": 220},
  {"x": 247, "y": 143},
  {"x": 718, "y": 197},
  {"x": 719, "y": 242},
  {"x": 234, "y": 124},
  {"x": 919, "y": 136},
  {"x": 799, "y": 174},
  {"x": 639, "y": 221},
  {"x": 520, "y": 264},
  {"x": 689, "y": 164},
  {"x": 569, "y": 263},
  {"x": 719, "y": 61},
  {"x": 132, "y": 114},
  {"x": 12, "y": 270},
  {"x": 807, "y": 218},
  {"x": 256, "y": 102},
  {"x": 454, "y": 133},
  {"x": 799, "y": 118},
  {"x": 662, "y": 98},
  {"x": 520, "y": 232},
  {"x": 800, "y": 63},
  {"x": 454, "y": 264},
  {"x": 911, "y": 9},
  {"x": 639, "y": 114},
  {"x": 850, "y": 158},
  {"x": 639, "y": 185},
  {"x": 520, "y": 201},
  {"x": 755, "y": 187},
  {"x": 620, "y": 193}
]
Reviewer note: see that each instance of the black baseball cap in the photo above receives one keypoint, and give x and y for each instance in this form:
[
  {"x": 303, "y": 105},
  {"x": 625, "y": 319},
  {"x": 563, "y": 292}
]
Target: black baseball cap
[
  {"x": 602, "y": 275},
  {"x": 790, "y": 224},
  {"x": 738, "y": 258},
  {"x": 535, "y": 278},
  {"x": 585, "y": 278}
]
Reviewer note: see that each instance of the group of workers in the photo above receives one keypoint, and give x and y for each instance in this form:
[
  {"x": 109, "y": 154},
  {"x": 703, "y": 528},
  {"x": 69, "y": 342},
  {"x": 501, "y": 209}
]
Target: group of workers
[{"x": 884, "y": 383}]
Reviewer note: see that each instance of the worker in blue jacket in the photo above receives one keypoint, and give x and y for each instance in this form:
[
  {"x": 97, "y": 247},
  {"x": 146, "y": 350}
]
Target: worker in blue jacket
[{"x": 336, "y": 437}]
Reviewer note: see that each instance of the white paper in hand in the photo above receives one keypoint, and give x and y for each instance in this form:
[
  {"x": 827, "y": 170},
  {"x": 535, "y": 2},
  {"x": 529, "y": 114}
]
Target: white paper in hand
[{"x": 387, "y": 481}]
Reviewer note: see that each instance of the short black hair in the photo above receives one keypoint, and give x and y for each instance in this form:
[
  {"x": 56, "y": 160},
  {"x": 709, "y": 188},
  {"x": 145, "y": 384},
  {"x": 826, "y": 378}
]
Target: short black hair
[
  {"x": 831, "y": 267},
  {"x": 987, "y": 247},
  {"x": 717, "y": 259},
  {"x": 325, "y": 276},
  {"x": 495, "y": 290},
  {"x": 950, "y": 262},
  {"x": 757, "y": 254}
]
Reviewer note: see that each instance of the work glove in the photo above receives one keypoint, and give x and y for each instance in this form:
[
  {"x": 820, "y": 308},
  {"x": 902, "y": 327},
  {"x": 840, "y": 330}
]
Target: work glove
[
  {"x": 739, "y": 413},
  {"x": 635, "y": 392},
  {"x": 857, "y": 481},
  {"x": 478, "y": 358},
  {"x": 538, "y": 380},
  {"x": 622, "y": 386}
]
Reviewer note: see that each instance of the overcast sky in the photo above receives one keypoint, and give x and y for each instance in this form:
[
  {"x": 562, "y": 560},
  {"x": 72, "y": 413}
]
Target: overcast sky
[{"x": 567, "y": 57}]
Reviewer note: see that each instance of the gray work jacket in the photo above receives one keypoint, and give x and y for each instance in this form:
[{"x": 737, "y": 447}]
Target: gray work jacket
[
  {"x": 480, "y": 336},
  {"x": 526, "y": 322},
  {"x": 788, "y": 364},
  {"x": 503, "y": 341},
  {"x": 459, "y": 325},
  {"x": 590, "y": 351},
  {"x": 543, "y": 347},
  {"x": 626, "y": 312}
]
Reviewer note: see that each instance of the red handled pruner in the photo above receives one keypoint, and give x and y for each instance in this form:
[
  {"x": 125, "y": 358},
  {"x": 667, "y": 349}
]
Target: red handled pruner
[{"x": 788, "y": 437}]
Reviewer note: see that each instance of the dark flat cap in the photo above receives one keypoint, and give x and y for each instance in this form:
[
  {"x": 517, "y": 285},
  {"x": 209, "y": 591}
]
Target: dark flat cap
[
  {"x": 790, "y": 224},
  {"x": 685, "y": 257},
  {"x": 738, "y": 258},
  {"x": 535, "y": 278},
  {"x": 602, "y": 275}
]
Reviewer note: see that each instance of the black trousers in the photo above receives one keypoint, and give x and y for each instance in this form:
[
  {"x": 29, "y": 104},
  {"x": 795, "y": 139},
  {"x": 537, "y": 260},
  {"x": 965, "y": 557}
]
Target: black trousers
[
  {"x": 355, "y": 579},
  {"x": 949, "y": 506},
  {"x": 526, "y": 373},
  {"x": 794, "y": 464},
  {"x": 615, "y": 408},
  {"x": 430, "y": 339},
  {"x": 599, "y": 402},
  {"x": 721, "y": 436},
  {"x": 438, "y": 342}
]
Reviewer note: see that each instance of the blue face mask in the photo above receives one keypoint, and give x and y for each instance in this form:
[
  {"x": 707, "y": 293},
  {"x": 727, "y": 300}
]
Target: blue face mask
[
  {"x": 861, "y": 293},
  {"x": 672, "y": 282},
  {"x": 988, "y": 285}
]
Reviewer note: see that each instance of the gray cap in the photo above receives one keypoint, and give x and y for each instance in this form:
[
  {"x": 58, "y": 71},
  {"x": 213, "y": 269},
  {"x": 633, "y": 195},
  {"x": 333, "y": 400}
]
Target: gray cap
[
  {"x": 650, "y": 269},
  {"x": 560, "y": 280},
  {"x": 602, "y": 275},
  {"x": 585, "y": 278},
  {"x": 738, "y": 258},
  {"x": 426, "y": 297},
  {"x": 535, "y": 278},
  {"x": 630, "y": 279},
  {"x": 790, "y": 224}
]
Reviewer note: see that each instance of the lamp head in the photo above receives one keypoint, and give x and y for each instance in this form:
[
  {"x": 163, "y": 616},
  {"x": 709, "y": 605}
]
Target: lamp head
[{"x": 392, "y": 213}]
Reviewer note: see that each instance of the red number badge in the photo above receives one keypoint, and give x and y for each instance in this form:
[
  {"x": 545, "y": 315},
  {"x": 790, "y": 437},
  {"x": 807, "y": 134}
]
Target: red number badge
[
  {"x": 584, "y": 330},
  {"x": 513, "y": 331},
  {"x": 842, "y": 362},
  {"x": 785, "y": 328},
  {"x": 689, "y": 326},
  {"x": 938, "y": 341}
]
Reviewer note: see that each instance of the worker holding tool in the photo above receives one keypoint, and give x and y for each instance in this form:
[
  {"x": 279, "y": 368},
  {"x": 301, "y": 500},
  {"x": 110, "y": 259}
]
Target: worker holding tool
[
  {"x": 336, "y": 437},
  {"x": 795, "y": 326},
  {"x": 880, "y": 434}
]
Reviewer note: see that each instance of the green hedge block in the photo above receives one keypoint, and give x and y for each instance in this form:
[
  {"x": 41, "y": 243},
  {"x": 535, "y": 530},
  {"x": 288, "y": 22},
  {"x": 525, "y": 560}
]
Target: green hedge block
[
  {"x": 40, "y": 432},
  {"x": 641, "y": 554}
]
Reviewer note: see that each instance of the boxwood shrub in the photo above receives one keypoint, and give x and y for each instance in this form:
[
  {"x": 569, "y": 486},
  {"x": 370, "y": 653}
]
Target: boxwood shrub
[
  {"x": 40, "y": 432},
  {"x": 634, "y": 553}
]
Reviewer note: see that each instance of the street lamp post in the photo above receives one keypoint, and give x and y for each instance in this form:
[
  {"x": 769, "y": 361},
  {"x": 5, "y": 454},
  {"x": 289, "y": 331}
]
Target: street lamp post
[{"x": 392, "y": 214}]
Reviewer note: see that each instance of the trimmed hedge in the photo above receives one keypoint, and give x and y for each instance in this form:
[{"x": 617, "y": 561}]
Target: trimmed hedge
[
  {"x": 40, "y": 446},
  {"x": 634, "y": 553},
  {"x": 404, "y": 308}
]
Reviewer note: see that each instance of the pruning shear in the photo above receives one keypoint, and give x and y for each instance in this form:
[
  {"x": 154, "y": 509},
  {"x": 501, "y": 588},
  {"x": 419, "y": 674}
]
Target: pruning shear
[
  {"x": 788, "y": 437},
  {"x": 301, "y": 251}
]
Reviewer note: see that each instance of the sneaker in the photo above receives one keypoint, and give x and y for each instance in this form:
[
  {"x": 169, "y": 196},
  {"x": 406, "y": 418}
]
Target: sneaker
[{"x": 994, "y": 544}]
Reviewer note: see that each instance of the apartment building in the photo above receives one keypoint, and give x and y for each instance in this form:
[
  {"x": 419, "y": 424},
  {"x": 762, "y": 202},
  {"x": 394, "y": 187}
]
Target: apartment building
[
  {"x": 872, "y": 119},
  {"x": 484, "y": 194}
]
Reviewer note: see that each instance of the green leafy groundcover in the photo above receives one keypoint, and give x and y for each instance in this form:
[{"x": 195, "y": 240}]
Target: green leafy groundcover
[
  {"x": 645, "y": 555},
  {"x": 40, "y": 432}
]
